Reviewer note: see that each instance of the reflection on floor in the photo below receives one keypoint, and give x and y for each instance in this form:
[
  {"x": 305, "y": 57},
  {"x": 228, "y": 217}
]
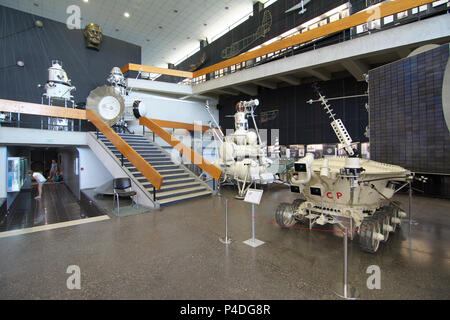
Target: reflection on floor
[{"x": 57, "y": 205}]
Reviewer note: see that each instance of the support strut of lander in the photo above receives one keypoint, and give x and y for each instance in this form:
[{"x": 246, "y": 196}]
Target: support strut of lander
[
  {"x": 346, "y": 189},
  {"x": 242, "y": 155}
]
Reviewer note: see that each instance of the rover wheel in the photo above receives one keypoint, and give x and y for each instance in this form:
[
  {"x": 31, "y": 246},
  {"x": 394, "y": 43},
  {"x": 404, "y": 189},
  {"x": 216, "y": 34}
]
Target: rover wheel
[
  {"x": 297, "y": 203},
  {"x": 370, "y": 235},
  {"x": 284, "y": 215},
  {"x": 296, "y": 206},
  {"x": 395, "y": 215},
  {"x": 384, "y": 218}
]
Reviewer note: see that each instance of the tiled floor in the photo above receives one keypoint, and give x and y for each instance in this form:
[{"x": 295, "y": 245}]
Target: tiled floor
[{"x": 175, "y": 253}]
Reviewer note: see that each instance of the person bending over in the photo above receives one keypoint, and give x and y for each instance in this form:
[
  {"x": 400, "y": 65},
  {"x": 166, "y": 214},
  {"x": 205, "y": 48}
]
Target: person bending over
[{"x": 40, "y": 181}]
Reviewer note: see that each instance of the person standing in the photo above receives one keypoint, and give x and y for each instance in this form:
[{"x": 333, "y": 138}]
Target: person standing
[
  {"x": 53, "y": 170},
  {"x": 40, "y": 179}
]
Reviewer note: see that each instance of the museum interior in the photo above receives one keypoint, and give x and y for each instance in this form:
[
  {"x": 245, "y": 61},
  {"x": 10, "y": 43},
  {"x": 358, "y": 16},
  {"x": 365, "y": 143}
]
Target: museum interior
[{"x": 225, "y": 150}]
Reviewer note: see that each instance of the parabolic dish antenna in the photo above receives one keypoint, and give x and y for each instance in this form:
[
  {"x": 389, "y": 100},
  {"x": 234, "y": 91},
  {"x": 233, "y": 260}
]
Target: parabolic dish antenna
[{"x": 107, "y": 103}]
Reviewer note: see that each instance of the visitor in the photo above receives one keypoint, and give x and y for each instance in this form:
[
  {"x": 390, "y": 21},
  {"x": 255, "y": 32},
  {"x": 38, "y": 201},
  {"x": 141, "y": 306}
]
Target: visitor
[
  {"x": 59, "y": 175},
  {"x": 40, "y": 179},
  {"x": 53, "y": 170}
]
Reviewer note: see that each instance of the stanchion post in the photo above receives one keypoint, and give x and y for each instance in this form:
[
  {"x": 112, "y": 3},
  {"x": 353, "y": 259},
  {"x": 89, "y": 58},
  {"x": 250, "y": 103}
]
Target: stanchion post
[
  {"x": 253, "y": 196},
  {"x": 349, "y": 293},
  {"x": 410, "y": 203},
  {"x": 345, "y": 264},
  {"x": 253, "y": 222},
  {"x": 226, "y": 240}
]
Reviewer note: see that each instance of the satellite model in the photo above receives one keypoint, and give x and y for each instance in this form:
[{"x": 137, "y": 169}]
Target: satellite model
[
  {"x": 111, "y": 102},
  {"x": 58, "y": 89},
  {"x": 242, "y": 155},
  {"x": 58, "y": 86},
  {"x": 339, "y": 188}
]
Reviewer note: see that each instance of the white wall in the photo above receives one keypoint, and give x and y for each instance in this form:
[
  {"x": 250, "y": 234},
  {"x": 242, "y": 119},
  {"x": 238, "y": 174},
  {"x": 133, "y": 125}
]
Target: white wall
[
  {"x": 19, "y": 136},
  {"x": 92, "y": 172},
  {"x": 3, "y": 172},
  {"x": 71, "y": 178},
  {"x": 172, "y": 109}
]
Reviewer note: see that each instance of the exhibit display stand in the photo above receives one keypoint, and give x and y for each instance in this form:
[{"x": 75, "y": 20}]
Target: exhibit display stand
[
  {"x": 254, "y": 197},
  {"x": 226, "y": 240},
  {"x": 344, "y": 289}
]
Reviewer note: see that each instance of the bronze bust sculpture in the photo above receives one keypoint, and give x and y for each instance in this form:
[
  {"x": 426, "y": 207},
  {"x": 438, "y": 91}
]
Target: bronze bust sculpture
[{"x": 94, "y": 36}]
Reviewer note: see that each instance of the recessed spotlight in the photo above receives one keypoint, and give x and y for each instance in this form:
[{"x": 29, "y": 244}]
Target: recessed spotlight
[
  {"x": 36, "y": 4},
  {"x": 86, "y": 1},
  {"x": 117, "y": 30},
  {"x": 160, "y": 27},
  {"x": 174, "y": 48},
  {"x": 176, "y": 11},
  {"x": 226, "y": 8},
  {"x": 188, "y": 38},
  {"x": 205, "y": 24},
  {"x": 148, "y": 40},
  {"x": 126, "y": 15}
]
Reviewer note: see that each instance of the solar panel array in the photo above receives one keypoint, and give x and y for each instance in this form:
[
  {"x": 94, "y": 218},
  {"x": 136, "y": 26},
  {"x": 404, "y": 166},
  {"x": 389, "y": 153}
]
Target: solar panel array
[{"x": 406, "y": 117}]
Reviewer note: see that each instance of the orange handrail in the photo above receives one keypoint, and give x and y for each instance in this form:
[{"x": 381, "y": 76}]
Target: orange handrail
[
  {"x": 41, "y": 110},
  {"x": 135, "y": 158},
  {"x": 150, "y": 69},
  {"x": 378, "y": 12},
  {"x": 179, "y": 125},
  {"x": 182, "y": 148}
]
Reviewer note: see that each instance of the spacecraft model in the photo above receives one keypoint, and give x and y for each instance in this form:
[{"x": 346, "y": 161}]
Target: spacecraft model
[
  {"x": 112, "y": 102},
  {"x": 346, "y": 188},
  {"x": 58, "y": 86},
  {"x": 58, "y": 89},
  {"x": 242, "y": 155}
]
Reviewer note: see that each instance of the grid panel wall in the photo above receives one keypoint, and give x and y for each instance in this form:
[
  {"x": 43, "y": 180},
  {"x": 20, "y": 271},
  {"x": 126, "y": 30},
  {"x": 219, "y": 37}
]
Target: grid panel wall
[{"x": 406, "y": 118}]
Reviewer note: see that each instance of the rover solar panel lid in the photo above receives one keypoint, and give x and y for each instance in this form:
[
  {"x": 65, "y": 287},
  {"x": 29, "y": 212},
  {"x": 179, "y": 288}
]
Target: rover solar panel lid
[
  {"x": 107, "y": 103},
  {"x": 446, "y": 95}
]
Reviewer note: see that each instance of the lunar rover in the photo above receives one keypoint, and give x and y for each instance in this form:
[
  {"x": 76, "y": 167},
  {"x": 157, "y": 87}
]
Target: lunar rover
[{"x": 348, "y": 190}]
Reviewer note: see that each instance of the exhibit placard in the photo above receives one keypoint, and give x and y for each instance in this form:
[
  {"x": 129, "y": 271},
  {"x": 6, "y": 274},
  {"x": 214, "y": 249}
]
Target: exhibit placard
[{"x": 254, "y": 196}]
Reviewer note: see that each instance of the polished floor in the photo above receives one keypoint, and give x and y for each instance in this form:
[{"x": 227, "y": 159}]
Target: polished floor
[
  {"x": 175, "y": 253},
  {"x": 57, "y": 205}
]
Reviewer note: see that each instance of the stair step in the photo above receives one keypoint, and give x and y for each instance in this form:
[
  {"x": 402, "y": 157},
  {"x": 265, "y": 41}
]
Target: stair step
[
  {"x": 161, "y": 172},
  {"x": 132, "y": 144},
  {"x": 177, "y": 193},
  {"x": 146, "y": 183},
  {"x": 165, "y": 167},
  {"x": 170, "y": 187},
  {"x": 166, "y": 177},
  {"x": 168, "y": 201},
  {"x": 144, "y": 149}
]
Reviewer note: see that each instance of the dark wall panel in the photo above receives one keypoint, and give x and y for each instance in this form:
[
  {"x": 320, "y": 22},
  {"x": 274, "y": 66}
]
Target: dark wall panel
[
  {"x": 407, "y": 120},
  {"x": 38, "y": 46},
  {"x": 302, "y": 123},
  {"x": 281, "y": 22}
]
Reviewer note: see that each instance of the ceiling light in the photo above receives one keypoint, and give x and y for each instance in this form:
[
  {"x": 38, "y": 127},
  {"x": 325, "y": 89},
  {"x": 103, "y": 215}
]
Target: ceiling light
[
  {"x": 126, "y": 14},
  {"x": 86, "y": 1},
  {"x": 20, "y": 63}
]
